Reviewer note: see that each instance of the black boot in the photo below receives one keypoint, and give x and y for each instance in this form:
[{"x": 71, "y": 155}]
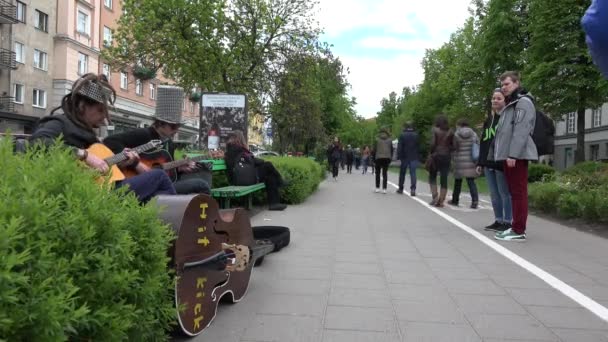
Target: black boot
[{"x": 274, "y": 199}]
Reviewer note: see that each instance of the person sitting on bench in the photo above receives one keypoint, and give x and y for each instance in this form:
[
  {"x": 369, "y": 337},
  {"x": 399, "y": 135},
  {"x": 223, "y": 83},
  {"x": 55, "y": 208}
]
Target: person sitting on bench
[{"x": 238, "y": 154}]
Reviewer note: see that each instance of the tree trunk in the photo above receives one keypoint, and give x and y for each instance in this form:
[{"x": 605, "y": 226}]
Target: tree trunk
[{"x": 580, "y": 136}]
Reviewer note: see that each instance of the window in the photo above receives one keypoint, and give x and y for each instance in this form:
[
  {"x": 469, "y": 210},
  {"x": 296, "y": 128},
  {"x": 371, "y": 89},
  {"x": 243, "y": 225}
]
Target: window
[
  {"x": 191, "y": 107},
  {"x": 18, "y": 92},
  {"x": 19, "y": 52},
  {"x": 41, "y": 21},
  {"x": 153, "y": 91},
  {"x": 21, "y": 15},
  {"x": 597, "y": 117},
  {"x": 124, "y": 80},
  {"x": 571, "y": 123},
  {"x": 83, "y": 22},
  {"x": 595, "y": 152},
  {"x": 107, "y": 36},
  {"x": 139, "y": 88},
  {"x": 105, "y": 69},
  {"x": 83, "y": 63},
  {"x": 40, "y": 59},
  {"x": 107, "y": 3},
  {"x": 39, "y": 98}
]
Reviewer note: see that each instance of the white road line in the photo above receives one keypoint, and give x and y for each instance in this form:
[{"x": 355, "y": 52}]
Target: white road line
[{"x": 572, "y": 293}]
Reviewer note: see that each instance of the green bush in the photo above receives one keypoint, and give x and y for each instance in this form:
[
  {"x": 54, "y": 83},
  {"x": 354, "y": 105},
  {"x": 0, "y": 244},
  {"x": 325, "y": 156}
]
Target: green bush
[
  {"x": 78, "y": 261},
  {"x": 537, "y": 172},
  {"x": 585, "y": 168},
  {"x": 568, "y": 205},
  {"x": 544, "y": 196},
  {"x": 304, "y": 175},
  {"x": 587, "y": 203},
  {"x": 601, "y": 205}
]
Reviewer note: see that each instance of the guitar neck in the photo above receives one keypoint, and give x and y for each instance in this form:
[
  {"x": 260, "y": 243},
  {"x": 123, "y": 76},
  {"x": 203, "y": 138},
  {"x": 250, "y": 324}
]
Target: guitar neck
[
  {"x": 119, "y": 157},
  {"x": 178, "y": 163}
]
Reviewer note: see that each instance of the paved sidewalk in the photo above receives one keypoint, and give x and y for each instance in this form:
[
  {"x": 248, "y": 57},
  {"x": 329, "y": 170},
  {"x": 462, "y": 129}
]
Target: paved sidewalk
[{"x": 366, "y": 267}]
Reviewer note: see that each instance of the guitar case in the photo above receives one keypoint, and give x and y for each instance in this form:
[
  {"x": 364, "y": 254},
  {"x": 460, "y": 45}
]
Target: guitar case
[{"x": 279, "y": 236}]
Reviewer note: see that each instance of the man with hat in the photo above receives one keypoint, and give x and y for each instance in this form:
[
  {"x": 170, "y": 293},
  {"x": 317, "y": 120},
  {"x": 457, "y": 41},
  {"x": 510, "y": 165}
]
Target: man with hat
[
  {"x": 85, "y": 109},
  {"x": 166, "y": 124}
]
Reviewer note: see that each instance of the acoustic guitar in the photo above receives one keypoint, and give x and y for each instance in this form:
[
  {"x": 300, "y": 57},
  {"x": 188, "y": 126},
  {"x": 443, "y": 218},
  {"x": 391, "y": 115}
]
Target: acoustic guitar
[
  {"x": 161, "y": 159},
  {"x": 103, "y": 152}
]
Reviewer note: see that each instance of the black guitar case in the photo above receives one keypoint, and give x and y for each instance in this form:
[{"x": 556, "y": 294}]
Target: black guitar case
[{"x": 279, "y": 236}]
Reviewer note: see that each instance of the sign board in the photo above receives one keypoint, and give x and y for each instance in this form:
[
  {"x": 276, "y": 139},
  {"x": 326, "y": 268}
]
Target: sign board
[{"x": 222, "y": 113}]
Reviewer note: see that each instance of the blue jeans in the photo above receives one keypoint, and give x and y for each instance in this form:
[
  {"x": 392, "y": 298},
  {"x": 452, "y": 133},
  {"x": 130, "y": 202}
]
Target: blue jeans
[
  {"x": 499, "y": 192},
  {"x": 412, "y": 164},
  {"x": 149, "y": 184}
]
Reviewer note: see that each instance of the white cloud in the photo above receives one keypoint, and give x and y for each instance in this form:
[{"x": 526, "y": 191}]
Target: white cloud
[{"x": 409, "y": 27}]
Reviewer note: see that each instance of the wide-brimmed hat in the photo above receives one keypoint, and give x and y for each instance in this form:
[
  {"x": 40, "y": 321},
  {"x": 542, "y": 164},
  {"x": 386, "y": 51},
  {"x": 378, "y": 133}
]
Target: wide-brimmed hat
[{"x": 169, "y": 102}]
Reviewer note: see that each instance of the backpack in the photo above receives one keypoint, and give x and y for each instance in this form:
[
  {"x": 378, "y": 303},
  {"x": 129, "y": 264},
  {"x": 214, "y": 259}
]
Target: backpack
[
  {"x": 245, "y": 172},
  {"x": 543, "y": 134}
]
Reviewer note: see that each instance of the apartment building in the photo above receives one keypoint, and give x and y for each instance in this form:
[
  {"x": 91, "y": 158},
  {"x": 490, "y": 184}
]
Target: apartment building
[{"x": 596, "y": 137}]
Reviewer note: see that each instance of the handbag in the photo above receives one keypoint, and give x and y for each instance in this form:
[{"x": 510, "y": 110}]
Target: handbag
[
  {"x": 475, "y": 151},
  {"x": 429, "y": 164},
  {"x": 245, "y": 172}
]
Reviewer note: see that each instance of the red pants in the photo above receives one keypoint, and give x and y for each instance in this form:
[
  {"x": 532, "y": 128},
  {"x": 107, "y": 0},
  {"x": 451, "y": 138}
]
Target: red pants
[{"x": 517, "y": 180}]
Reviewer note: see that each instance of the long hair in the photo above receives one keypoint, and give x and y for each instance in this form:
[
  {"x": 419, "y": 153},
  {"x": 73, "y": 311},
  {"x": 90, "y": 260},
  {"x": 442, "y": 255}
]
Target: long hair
[
  {"x": 237, "y": 137},
  {"x": 72, "y": 103},
  {"x": 441, "y": 122}
]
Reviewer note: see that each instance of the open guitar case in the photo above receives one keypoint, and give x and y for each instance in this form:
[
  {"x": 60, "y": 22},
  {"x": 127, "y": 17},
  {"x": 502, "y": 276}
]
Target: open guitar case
[{"x": 279, "y": 236}]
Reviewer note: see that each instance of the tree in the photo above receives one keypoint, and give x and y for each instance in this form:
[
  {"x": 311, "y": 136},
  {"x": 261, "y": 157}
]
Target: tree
[{"x": 560, "y": 71}]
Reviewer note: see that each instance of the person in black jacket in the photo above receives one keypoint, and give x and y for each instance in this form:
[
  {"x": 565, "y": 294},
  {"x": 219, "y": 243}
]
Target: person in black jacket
[
  {"x": 334, "y": 156},
  {"x": 407, "y": 153},
  {"x": 166, "y": 124},
  {"x": 495, "y": 177},
  {"x": 85, "y": 109},
  {"x": 236, "y": 150}
]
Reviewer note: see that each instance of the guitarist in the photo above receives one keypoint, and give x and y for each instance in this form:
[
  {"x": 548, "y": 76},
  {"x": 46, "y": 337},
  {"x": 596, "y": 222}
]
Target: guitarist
[
  {"x": 166, "y": 124},
  {"x": 85, "y": 109}
]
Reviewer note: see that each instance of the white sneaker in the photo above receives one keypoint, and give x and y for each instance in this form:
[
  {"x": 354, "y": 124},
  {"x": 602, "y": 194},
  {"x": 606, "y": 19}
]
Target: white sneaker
[
  {"x": 377, "y": 190},
  {"x": 384, "y": 191}
]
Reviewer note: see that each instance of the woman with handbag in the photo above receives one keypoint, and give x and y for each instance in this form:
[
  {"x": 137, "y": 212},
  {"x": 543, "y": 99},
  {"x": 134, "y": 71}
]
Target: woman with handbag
[
  {"x": 439, "y": 159},
  {"x": 243, "y": 168},
  {"x": 464, "y": 165}
]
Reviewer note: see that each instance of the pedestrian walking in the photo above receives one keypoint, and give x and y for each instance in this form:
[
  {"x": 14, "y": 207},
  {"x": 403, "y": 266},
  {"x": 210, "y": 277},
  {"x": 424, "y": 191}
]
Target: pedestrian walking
[
  {"x": 514, "y": 146},
  {"x": 408, "y": 152},
  {"x": 334, "y": 157},
  {"x": 384, "y": 152},
  {"x": 493, "y": 171},
  {"x": 438, "y": 161},
  {"x": 464, "y": 166}
]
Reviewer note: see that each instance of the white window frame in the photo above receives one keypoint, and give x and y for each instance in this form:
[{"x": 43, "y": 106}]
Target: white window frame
[
  {"x": 87, "y": 18},
  {"x": 107, "y": 3},
  {"x": 37, "y": 24},
  {"x": 124, "y": 80},
  {"x": 83, "y": 63},
  {"x": 105, "y": 69},
  {"x": 19, "y": 52},
  {"x": 139, "y": 87},
  {"x": 36, "y": 98},
  {"x": 191, "y": 107},
  {"x": 107, "y": 36},
  {"x": 152, "y": 91},
  {"x": 596, "y": 117},
  {"x": 22, "y": 87},
  {"x": 21, "y": 11},
  {"x": 571, "y": 123},
  {"x": 41, "y": 57}
]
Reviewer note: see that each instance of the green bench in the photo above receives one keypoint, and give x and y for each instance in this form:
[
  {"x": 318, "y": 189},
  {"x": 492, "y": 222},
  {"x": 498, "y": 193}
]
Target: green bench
[{"x": 225, "y": 194}]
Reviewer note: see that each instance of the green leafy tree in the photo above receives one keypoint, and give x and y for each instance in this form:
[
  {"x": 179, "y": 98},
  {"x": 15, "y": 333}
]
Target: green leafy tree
[{"x": 560, "y": 71}]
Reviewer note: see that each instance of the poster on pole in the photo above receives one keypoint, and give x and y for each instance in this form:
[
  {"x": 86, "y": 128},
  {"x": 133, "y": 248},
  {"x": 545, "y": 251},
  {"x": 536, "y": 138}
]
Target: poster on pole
[{"x": 221, "y": 114}]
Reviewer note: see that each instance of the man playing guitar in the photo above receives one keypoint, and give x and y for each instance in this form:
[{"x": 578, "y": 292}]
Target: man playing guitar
[
  {"x": 85, "y": 109},
  {"x": 166, "y": 124}
]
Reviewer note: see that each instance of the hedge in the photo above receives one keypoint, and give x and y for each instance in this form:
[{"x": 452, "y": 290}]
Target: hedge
[
  {"x": 304, "y": 176},
  {"x": 537, "y": 172},
  {"x": 78, "y": 262}
]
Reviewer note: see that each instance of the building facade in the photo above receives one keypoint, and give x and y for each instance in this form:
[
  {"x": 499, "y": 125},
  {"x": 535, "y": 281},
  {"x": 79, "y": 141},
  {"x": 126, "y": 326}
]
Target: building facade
[
  {"x": 596, "y": 137},
  {"x": 49, "y": 44}
]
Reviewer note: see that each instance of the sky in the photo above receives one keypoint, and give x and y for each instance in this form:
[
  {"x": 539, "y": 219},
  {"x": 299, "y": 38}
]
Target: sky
[{"x": 382, "y": 42}]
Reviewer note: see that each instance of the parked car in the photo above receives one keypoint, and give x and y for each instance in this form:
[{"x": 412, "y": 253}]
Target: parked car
[{"x": 261, "y": 153}]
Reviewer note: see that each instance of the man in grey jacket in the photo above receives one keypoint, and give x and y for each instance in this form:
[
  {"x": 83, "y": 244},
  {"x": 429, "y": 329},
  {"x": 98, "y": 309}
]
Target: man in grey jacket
[{"x": 514, "y": 146}]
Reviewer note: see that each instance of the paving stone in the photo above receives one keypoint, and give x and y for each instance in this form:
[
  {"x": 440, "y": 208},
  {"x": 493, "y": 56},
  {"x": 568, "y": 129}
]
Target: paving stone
[
  {"x": 358, "y": 281},
  {"x": 360, "y": 297},
  {"x": 293, "y": 305},
  {"x": 488, "y": 304},
  {"x": 458, "y": 273},
  {"x": 359, "y": 336},
  {"x": 428, "y": 312},
  {"x": 365, "y": 319},
  {"x": 303, "y": 273},
  {"x": 357, "y": 257},
  {"x": 420, "y": 293},
  {"x": 575, "y": 318},
  {"x": 541, "y": 297},
  {"x": 510, "y": 327},
  {"x": 478, "y": 287},
  {"x": 300, "y": 287},
  {"x": 278, "y": 328},
  {"x": 575, "y": 335},
  {"x": 358, "y": 268},
  {"x": 437, "y": 332},
  {"x": 411, "y": 278},
  {"x": 525, "y": 281}
]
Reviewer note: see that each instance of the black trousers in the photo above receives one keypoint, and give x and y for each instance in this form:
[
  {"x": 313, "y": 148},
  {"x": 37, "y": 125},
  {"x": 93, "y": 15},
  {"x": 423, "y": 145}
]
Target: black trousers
[
  {"x": 442, "y": 166},
  {"x": 271, "y": 177},
  {"x": 382, "y": 166}
]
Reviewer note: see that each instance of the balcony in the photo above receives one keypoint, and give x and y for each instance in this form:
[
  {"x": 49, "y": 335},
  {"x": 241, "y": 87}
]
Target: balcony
[
  {"x": 8, "y": 13},
  {"x": 8, "y": 59},
  {"x": 7, "y": 104}
]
